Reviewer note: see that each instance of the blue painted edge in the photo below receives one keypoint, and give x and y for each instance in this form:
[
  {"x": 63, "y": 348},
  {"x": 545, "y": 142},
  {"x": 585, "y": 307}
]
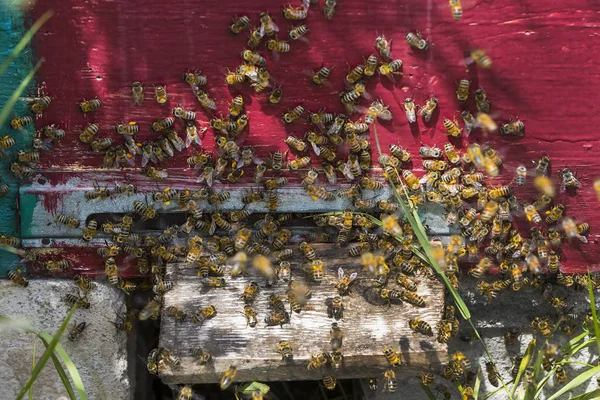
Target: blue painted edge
[{"x": 13, "y": 25}]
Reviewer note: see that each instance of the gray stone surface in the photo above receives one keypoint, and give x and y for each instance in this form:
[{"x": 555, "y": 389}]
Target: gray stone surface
[{"x": 100, "y": 354}]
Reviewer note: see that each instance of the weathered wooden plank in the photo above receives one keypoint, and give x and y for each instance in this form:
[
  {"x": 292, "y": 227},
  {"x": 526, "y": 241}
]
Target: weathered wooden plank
[{"x": 367, "y": 327}]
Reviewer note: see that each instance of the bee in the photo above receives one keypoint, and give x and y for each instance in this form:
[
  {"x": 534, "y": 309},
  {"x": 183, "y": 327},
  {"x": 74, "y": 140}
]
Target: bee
[
  {"x": 452, "y": 128},
  {"x": 277, "y": 318},
  {"x": 456, "y": 9},
  {"x": 329, "y": 382},
  {"x": 315, "y": 270},
  {"x": 76, "y": 331},
  {"x": 200, "y": 316},
  {"x": 568, "y": 179},
  {"x": 267, "y": 27},
  {"x": 409, "y": 106},
  {"x": 40, "y": 105},
  {"x": 391, "y": 384},
  {"x": 195, "y": 79},
  {"x": 462, "y": 92},
  {"x": 532, "y": 214},
  {"x": 542, "y": 166},
  {"x": 427, "y": 110},
  {"x": 146, "y": 212},
  {"x": 321, "y": 75},
  {"x": 184, "y": 114},
  {"x": 356, "y": 74},
  {"x": 160, "y": 93},
  {"x": 430, "y": 152},
  {"x": 298, "y": 32},
  {"x": 481, "y": 101},
  {"x": 67, "y": 220},
  {"x": 420, "y": 326},
  {"x": 228, "y": 377},
  {"x": 470, "y": 122},
  {"x": 16, "y": 277},
  {"x": 293, "y": 115},
  {"x": 101, "y": 144},
  {"x": 392, "y": 357},
  {"x": 555, "y": 214},
  {"x": 285, "y": 349},
  {"x": 329, "y": 8},
  {"x": 384, "y": 47},
  {"x": 292, "y": 13},
  {"x": 137, "y": 93},
  {"x": 412, "y": 298},
  {"x": 162, "y": 124},
  {"x": 88, "y": 133},
  {"x": 76, "y": 300},
  {"x": 318, "y": 361},
  {"x": 87, "y": 106},
  {"x": 272, "y": 200},
  {"x": 354, "y": 94},
  {"x": 250, "y": 315},
  {"x": 90, "y": 230},
  {"x": 7, "y": 142},
  {"x": 205, "y": 101},
  {"x": 514, "y": 127},
  {"x": 561, "y": 375},
  {"x": 344, "y": 282},
  {"x": 177, "y": 313},
  {"x": 239, "y": 24},
  {"x": 278, "y": 46},
  {"x": 434, "y": 165},
  {"x": 416, "y": 40}
]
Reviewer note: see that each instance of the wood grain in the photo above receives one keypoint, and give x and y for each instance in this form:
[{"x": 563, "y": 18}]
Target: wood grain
[{"x": 367, "y": 327}]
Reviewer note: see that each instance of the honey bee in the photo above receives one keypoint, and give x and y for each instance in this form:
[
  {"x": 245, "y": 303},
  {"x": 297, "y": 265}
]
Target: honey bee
[
  {"x": 430, "y": 152},
  {"x": 411, "y": 180},
  {"x": 267, "y": 27},
  {"x": 285, "y": 349},
  {"x": 420, "y": 326},
  {"x": 195, "y": 79},
  {"x": 40, "y": 105},
  {"x": 391, "y": 69},
  {"x": 329, "y": 8},
  {"x": 205, "y": 101},
  {"x": 299, "y": 163},
  {"x": 200, "y": 316},
  {"x": 76, "y": 330},
  {"x": 416, "y": 40},
  {"x": 383, "y": 47},
  {"x": 354, "y": 94},
  {"x": 184, "y": 114},
  {"x": 452, "y": 128},
  {"x": 321, "y": 75},
  {"x": 160, "y": 93},
  {"x": 239, "y": 24},
  {"x": 228, "y": 377},
  {"x": 16, "y": 277},
  {"x": 462, "y": 92},
  {"x": 514, "y": 127},
  {"x": 315, "y": 270},
  {"x": 87, "y": 106},
  {"x": 344, "y": 282},
  {"x": 568, "y": 179},
  {"x": 392, "y": 356},
  {"x": 298, "y": 32},
  {"x": 293, "y": 115},
  {"x": 391, "y": 384},
  {"x": 272, "y": 200},
  {"x": 162, "y": 124},
  {"x": 354, "y": 75},
  {"x": 137, "y": 93},
  {"x": 177, "y": 313},
  {"x": 456, "y": 9},
  {"x": 77, "y": 300},
  {"x": 88, "y": 133},
  {"x": 481, "y": 101},
  {"x": 68, "y": 221},
  {"x": 318, "y": 361},
  {"x": 561, "y": 375},
  {"x": 278, "y": 46}
]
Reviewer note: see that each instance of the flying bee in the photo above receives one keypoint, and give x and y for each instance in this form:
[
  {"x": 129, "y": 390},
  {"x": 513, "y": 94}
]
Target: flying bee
[
  {"x": 481, "y": 101},
  {"x": 228, "y": 377},
  {"x": 40, "y": 105},
  {"x": 452, "y": 128},
  {"x": 384, "y": 48},
  {"x": 469, "y": 120},
  {"x": 239, "y": 24},
  {"x": 480, "y": 58},
  {"x": 416, "y": 40},
  {"x": 456, "y": 9},
  {"x": 87, "y": 106}
]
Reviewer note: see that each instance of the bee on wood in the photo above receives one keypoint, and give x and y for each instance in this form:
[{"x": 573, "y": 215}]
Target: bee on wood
[
  {"x": 285, "y": 349},
  {"x": 88, "y": 133},
  {"x": 456, "y": 9},
  {"x": 40, "y": 105},
  {"x": 420, "y": 326},
  {"x": 267, "y": 26},
  {"x": 81, "y": 302},
  {"x": 329, "y": 8},
  {"x": 87, "y": 106},
  {"x": 293, "y": 115},
  {"x": 275, "y": 95},
  {"x": 239, "y": 24},
  {"x": 228, "y": 377},
  {"x": 416, "y": 40},
  {"x": 481, "y": 101},
  {"x": 318, "y": 361},
  {"x": 391, "y": 384}
]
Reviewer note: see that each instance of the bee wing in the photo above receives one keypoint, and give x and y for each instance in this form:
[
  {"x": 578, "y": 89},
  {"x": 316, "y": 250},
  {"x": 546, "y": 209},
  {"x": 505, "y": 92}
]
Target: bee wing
[
  {"x": 305, "y": 5},
  {"x": 340, "y": 273},
  {"x": 210, "y": 180},
  {"x": 315, "y": 148},
  {"x": 275, "y": 56},
  {"x": 189, "y": 139},
  {"x": 353, "y": 276},
  {"x": 367, "y": 95},
  {"x": 348, "y": 171},
  {"x": 274, "y": 26},
  {"x": 177, "y": 142}
]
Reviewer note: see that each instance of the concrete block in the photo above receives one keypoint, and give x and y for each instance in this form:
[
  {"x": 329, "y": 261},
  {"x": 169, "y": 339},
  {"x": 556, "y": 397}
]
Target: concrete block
[{"x": 100, "y": 354}]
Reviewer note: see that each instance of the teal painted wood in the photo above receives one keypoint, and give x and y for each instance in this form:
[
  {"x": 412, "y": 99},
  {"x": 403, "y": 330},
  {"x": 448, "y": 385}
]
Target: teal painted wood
[{"x": 12, "y": 29}]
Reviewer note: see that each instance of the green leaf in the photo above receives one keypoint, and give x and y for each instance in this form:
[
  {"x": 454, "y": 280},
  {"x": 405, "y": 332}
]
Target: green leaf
[
  {"x": 248, "y": 388},
  {"x": 580, "y": 379},
  {"x": 593, "y": 308},
  {"x": 60, "y": 371},
  {"x": 25, "y": 40},
  {"x": 73, "y": 372},
  {"x": 567, "y": 347},
  {"x": 6, "y": 110},
  {"x": 49, "y": 350},
  {"x": 477, "y": 385},
  {"x": 428, "y": 391},
  {"x": 32, "y": 367},
  {"x": 524, "y": 363},
  {"x": 588, "y": 396}
]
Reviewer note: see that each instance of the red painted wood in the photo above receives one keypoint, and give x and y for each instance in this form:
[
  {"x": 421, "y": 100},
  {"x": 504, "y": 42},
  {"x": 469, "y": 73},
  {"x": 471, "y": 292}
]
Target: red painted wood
[{"x": 544, "y": 70}]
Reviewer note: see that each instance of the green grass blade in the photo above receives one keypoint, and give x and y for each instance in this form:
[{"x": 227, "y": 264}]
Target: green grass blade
[
  {"x": 73, "y": 372},
  {"x": 524, "y": 363},
  {"x": 477, "y": 384},
  {"x": 49, "y": 350},
  {"x": 15, "y": 324},
  {"x": 32, "y": 367},
  {"x": 25, "y": 40},
  {"x": 580, "y": 379},
  {"x": 593, "y": 308},
  {"x": 567, "y": 347},
  {"x": 543, "y": 381},
  {"x": 6, "y": 110},
  {"x": 428, "y": 391},
  {"x": 490, "y": 394},
  {"x": 595, "y": 394}
]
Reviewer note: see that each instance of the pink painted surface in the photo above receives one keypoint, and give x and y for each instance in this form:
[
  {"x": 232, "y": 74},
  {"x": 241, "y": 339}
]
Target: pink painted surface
[{"x": 544, "y": 70}]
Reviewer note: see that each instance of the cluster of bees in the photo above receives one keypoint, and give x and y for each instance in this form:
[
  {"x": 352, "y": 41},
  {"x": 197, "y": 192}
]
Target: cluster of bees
[{"x": 484, "y": 215}]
